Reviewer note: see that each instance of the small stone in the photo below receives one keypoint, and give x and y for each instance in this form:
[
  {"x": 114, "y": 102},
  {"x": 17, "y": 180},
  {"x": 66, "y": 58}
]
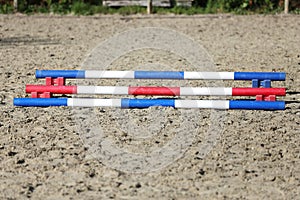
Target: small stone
[
  {"x": 138, "y": 185},
  {"x": 201, "y": 172}
]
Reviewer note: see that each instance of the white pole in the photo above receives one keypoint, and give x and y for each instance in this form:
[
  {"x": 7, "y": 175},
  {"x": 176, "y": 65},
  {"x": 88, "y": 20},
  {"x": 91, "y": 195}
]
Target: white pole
[
  {"x": 286, "y": 6},
  {"x": 16, "y": 5},
  {"x": 149, "y": 7}
]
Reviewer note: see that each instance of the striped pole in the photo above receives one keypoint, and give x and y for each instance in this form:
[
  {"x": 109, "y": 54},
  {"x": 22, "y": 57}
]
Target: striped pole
[
  {"x": 160, "y": 91},
  {"x": 93, "y": 74},
  {"x": 145, "y": 103}
]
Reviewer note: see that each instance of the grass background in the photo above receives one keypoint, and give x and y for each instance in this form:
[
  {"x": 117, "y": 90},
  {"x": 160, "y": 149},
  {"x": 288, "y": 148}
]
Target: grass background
[{"x": 90, "y": 7}]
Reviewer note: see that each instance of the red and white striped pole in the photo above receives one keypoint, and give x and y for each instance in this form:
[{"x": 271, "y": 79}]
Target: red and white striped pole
[{"x": 156, "y": 91}]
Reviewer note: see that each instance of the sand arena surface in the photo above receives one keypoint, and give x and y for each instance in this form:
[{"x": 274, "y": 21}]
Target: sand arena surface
[{"x": 43, "y": 156}]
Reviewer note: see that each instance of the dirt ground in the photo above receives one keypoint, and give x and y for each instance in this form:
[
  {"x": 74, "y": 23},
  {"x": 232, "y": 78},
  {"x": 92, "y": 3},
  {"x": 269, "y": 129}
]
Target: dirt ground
[{"x": 43, "y": 155}]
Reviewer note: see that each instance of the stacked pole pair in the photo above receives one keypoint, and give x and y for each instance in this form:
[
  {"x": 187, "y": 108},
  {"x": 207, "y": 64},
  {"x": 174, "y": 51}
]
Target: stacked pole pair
[{"x": 265, "y": 95}]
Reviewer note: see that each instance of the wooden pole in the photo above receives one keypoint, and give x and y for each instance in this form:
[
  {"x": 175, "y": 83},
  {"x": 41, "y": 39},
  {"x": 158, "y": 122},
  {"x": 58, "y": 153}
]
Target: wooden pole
[
  {"x": 16, "y": 5},
  {"x": 286, "y": 6},
  {"x": 149, "y": 7}
]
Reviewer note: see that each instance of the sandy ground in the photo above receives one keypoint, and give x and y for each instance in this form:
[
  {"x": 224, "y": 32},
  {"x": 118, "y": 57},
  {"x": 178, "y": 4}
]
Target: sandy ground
[{"x": 44, "y": 156}]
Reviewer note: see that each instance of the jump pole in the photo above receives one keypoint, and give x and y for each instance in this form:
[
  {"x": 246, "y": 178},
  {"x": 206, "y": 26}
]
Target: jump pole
[
  {"x": 160, "y": 91},
  {"x": 146, "y": 103},
  {"x": 179, "y": 75}
]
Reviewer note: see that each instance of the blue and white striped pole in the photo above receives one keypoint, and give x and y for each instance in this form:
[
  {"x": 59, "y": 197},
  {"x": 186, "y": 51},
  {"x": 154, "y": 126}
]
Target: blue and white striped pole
[
  {"x": 145, "y": 103},
  {"x": 93, "y": 74}
]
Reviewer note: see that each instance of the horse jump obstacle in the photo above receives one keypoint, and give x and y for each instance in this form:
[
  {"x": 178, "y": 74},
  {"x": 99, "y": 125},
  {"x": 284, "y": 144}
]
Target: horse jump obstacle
[{"x": 55, "y": 84}]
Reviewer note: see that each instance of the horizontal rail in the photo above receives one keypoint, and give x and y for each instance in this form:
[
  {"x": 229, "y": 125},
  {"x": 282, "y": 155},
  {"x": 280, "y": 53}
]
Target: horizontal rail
[
  {"x": 160, "y": 91},
  {"x": 146, "y": 103},
  {"x": 180, "y": 75}
]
